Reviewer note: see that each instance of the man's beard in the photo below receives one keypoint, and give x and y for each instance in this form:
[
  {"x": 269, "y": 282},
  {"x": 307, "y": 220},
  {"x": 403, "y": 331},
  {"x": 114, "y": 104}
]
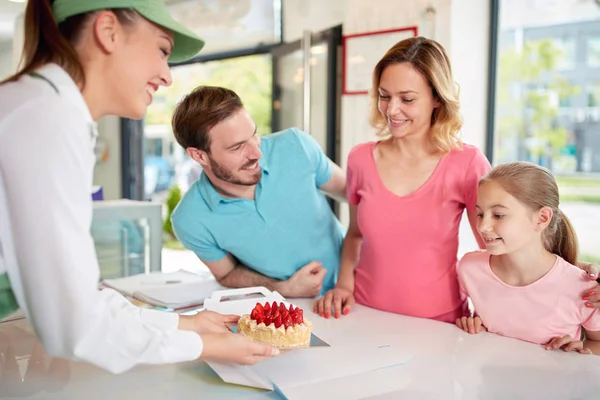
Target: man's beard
[{"x": 228, "y": 176}]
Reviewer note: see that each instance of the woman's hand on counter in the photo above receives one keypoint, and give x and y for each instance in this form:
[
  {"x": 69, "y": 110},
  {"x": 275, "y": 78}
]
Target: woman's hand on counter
[{"x": 340, "y": 298}]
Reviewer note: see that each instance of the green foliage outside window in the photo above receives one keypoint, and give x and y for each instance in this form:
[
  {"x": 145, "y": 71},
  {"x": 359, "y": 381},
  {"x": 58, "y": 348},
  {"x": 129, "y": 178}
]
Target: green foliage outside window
[
  {"x": 173, "y": 198},
  {"x": 250, "y": 77},
  {"x": 532, "y": 113}
]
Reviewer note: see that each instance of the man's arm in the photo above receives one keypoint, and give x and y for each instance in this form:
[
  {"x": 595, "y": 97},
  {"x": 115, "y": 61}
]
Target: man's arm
[
  {"x": 231, "y": 273},
  {"x": 335, "y": 187},
  {"x": 306, "y": 282}
]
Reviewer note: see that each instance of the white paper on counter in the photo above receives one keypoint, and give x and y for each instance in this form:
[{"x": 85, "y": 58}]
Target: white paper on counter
[{"x": 240, "y": 375}]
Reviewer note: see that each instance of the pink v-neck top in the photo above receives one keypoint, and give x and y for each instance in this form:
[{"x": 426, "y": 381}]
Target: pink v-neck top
[{"x": 409, "y": 250}]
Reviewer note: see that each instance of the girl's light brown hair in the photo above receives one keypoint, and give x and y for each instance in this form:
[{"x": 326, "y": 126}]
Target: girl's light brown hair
[
  {"x": 536, "y": 187},
  {"x": 430, "y": 59},
  {"x": 48, "y": 42}
]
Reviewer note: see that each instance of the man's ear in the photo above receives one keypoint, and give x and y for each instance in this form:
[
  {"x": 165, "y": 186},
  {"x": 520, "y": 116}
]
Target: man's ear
[
  {"x": 200, "y": 156},
  {"x": 543, "y": 218},
  {"x": 107, "y": 31}
]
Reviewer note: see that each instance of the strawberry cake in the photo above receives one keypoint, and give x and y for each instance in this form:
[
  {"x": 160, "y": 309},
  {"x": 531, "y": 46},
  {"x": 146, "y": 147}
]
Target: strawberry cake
[{"x": 274, "y": 324}]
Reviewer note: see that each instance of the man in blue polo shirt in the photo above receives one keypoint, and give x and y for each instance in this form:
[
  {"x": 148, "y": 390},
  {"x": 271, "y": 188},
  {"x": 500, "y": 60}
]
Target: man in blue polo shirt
[{"x": 257, "y": 215}]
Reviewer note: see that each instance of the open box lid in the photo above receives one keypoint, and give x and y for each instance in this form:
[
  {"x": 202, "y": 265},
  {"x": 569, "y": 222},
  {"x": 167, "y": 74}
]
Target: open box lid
[{"x": 241, "y": 301}]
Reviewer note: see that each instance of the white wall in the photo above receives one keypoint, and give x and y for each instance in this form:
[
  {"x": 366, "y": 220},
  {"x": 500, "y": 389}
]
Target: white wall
[
  {"x": 315, "y": 16},
  {"x": 469, "y": 50}
]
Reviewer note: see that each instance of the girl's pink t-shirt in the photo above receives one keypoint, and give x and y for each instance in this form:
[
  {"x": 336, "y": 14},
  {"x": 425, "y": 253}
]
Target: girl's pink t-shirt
[
  {"x": 409, "y": 250},
  {"x": 549, "y": 307}
]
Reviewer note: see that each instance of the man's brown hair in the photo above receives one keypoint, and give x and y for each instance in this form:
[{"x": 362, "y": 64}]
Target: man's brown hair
[{"x": 199, "y": 112}]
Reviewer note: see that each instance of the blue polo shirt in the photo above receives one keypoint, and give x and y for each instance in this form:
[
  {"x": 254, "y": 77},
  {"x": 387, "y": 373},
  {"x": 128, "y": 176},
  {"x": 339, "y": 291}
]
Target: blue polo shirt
[{"x": 288, "y": 225}]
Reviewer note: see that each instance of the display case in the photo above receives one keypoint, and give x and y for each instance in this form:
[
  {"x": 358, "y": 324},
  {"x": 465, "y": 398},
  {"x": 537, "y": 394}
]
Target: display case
[{"x": 127, "y": 236}]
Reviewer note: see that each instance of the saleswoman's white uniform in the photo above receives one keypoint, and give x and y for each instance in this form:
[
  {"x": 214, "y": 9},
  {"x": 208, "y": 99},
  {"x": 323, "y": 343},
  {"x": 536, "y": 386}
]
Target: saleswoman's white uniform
[{"x": 47, "y": 137}]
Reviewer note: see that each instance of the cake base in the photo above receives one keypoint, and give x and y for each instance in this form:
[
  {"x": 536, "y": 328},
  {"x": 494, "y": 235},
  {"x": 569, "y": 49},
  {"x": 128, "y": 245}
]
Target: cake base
[{"x": 295, "y": 336}]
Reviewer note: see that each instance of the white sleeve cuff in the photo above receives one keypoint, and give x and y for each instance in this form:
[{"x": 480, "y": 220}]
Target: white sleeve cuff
[{"x": 184, "y": 346}]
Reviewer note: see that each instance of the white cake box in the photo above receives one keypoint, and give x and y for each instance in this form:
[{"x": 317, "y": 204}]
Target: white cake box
[{"x": 351, "y": 350}]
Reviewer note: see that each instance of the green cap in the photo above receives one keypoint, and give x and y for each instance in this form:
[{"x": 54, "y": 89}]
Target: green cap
[{"x": 187, "y": 43}]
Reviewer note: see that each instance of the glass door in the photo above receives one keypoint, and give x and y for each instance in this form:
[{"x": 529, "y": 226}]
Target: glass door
[{"x": 309, "y": 100}]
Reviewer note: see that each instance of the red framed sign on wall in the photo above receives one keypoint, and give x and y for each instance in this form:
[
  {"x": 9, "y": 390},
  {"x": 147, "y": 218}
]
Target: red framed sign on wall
[{"x": 362, "y": 51}]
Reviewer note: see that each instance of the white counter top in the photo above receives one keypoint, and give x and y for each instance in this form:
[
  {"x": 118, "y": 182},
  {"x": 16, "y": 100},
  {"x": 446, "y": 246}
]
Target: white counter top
[{"x": 446, "y": 364}]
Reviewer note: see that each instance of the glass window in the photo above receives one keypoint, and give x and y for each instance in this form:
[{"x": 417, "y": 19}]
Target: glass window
[
  {"x": 565, "y": 102},
  {"x": 566, "y": 48},
  {"x": 547, "y": 101},
  {"x": 594, "y": 96},
  {"x": 593, "y": 52}
]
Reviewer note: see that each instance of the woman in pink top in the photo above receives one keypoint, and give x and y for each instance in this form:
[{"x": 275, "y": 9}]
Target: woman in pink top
[
  {"x": 526, "y": 285},
  {"x": 407, "y": 193}
]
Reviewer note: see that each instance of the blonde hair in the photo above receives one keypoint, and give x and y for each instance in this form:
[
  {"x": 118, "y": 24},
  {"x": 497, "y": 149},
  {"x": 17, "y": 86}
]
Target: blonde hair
[
  {"x": 430, "y": 59},
  {"x": 536, "y": 187}
]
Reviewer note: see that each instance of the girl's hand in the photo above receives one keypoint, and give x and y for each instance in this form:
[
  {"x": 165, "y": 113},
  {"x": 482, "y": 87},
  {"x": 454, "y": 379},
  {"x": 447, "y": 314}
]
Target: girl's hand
[
  {"x": 472, "y": 325},
  {"x": 566, "y": 343}
]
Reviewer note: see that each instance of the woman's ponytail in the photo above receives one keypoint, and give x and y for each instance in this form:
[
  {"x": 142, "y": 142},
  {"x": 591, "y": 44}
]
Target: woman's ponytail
[{"x": 45, "y": 42}]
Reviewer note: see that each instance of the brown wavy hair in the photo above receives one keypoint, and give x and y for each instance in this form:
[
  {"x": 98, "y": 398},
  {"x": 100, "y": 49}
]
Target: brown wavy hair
[
  {"x": 429, "y": 58},
  {"x": 535, "y": 187}
]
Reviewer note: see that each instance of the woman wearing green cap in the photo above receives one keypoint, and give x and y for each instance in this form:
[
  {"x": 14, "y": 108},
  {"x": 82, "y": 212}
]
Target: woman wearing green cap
[{"x": 83, "y": 60}]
